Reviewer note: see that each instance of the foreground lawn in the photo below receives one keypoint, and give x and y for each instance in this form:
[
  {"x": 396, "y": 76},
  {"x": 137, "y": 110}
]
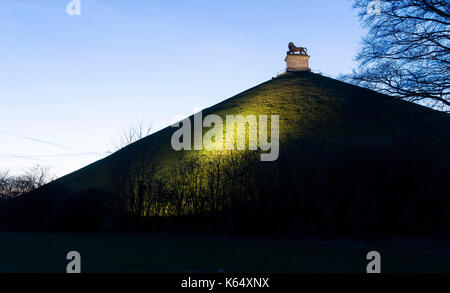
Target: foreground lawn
[{"x": 152, "y": 253}]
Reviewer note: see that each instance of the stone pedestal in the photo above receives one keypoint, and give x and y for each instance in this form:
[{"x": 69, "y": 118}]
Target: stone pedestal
[{"x": 297, "y": 62}]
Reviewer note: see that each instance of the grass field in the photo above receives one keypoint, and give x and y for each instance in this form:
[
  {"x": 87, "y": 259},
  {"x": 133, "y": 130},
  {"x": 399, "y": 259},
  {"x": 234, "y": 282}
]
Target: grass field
[{"x": 154, "y": 253}]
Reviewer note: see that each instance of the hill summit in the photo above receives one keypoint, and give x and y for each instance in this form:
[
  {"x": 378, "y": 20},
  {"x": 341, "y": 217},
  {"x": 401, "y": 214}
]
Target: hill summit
[{"x": 351, "y": 161}]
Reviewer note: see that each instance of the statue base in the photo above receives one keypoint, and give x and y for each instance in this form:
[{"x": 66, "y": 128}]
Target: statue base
[{"x": 297, "y": 62}]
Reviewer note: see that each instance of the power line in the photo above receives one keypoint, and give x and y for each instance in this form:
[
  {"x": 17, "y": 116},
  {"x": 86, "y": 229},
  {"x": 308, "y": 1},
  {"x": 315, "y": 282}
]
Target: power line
[
  {"x": 31, "y": 158},
  {"x": 42, "y": 141},
  {"x": 51, "y": 156}
]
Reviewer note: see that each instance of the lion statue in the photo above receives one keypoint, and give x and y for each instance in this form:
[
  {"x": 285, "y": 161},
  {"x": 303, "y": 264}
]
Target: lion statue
[{"x": 293, "y": 49}]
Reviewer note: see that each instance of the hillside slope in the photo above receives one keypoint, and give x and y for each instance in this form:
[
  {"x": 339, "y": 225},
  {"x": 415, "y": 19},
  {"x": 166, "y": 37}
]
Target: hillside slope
[
  {"x": 320, "y": 118},
  {"x": 309, "y": 106}
]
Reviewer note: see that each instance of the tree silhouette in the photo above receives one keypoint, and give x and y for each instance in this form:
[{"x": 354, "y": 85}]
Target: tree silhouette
[
  {"x": 14, "y": 186},
  {"x": 406, "y": 52}
]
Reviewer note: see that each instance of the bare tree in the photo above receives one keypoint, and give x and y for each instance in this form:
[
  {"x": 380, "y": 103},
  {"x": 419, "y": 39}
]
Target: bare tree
[
  {"x": 4, "y": 176},
  {"x": 14, "y": 186},
  {"x": 406, "y": 52},
  {"x": 132, "y": 133},
  {"x": 37, "y": 176},
  {"x": 136, "y": 183}
]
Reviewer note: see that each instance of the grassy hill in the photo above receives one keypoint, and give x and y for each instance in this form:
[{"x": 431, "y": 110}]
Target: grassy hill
[
  {"x": 346, "y": 154},
  {"x": 310, "y": 106}
]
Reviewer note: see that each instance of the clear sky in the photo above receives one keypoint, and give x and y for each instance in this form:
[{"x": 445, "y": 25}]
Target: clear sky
[{"x": 70, "y": 84}]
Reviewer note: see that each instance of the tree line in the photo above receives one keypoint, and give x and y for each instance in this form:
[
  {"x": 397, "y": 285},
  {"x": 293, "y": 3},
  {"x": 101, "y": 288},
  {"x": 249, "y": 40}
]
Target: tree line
[
  {"x": 14, "y": 186},
  {"x": 317, "y": 187}
]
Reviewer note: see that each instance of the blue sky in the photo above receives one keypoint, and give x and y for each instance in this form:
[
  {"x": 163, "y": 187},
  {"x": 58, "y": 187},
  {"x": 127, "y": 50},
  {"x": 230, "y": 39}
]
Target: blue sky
[{"x": 70, "y": 84}]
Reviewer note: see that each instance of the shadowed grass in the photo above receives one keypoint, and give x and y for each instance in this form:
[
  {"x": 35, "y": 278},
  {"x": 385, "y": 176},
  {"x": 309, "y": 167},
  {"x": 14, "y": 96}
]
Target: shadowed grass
[{"x": 156, "y": 253}]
